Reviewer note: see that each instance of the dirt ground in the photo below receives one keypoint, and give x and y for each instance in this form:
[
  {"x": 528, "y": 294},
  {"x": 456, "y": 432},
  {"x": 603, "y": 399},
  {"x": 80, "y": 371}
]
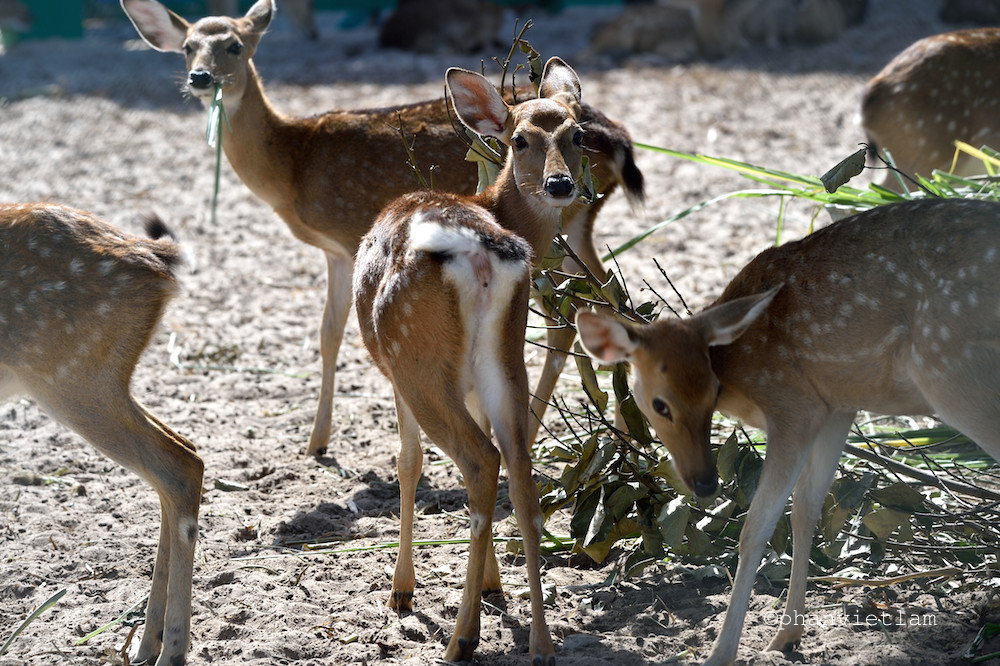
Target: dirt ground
[{"x": 101, "y": 124}]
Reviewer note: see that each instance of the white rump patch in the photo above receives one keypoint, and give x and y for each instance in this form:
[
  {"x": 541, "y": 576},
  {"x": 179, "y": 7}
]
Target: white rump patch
[{"x": 428, "y": 235}]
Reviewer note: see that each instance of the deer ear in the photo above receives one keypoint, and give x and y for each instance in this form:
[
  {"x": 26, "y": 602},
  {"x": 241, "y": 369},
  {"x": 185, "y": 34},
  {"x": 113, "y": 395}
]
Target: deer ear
[
  {"x": 158, "y": 26},
  {"x": 722, "y": 324},
  {"x": 560, "y": 82},
  {"x": 260, "y": 15},
  {"x": 604, "y": 339},
  {"x": 478, "y": 104}
]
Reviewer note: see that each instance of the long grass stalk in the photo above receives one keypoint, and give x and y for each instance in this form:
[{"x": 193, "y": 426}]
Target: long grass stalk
[{"x": 46, "y": 605}]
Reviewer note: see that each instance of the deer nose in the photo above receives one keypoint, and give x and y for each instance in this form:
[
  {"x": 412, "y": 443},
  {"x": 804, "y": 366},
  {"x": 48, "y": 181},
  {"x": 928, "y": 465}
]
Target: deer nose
[
  {"x": 706, "y": 487},
  {"x": 560, "y": 186},
  {"x": 200, "y": 79}
]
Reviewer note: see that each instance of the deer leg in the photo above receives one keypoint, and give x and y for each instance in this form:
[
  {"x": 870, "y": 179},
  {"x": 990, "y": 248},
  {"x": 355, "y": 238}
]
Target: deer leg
[
  {"x": 491, "y": 576},
  {"x": 787, "y": 450},
  {"x": 479, "y": 462},
  {"x": 524, "y": 497},
  {"x": 491, "y": 572},
  {"x": 338, "y": 306},
  {"x": 453, "y": 429},
  {"x": 807, "y": 503},
  {"x": 558, "y": 338},
  {"x": 127, "y": 433},
  {"x": 578, "y": 224},
  {"x": 409, "y": 464},
  {"x": 511, "y": 425}
]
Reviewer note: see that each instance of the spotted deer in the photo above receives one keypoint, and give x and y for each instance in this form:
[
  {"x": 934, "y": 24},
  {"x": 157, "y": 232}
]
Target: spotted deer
[
  {"x": 328, "y": 176},
  {"x": 940, "y": 89},
  {"x": 895, "y": 310},
  {"x": 441, "y": 291},
  {"x": 80, "y": 302}
]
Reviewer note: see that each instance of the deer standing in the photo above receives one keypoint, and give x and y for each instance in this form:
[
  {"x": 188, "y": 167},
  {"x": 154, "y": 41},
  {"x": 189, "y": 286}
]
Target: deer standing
[
  {"x": 441, "y": 290},
  {"x": 80, "y": 302},
  {"x": 940, "y": 89},
  {"x": 895, "y": 310},
  {"x": 328, "y": 176}
]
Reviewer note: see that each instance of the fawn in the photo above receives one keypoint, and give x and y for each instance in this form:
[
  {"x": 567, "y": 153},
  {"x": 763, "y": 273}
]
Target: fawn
[
  {"x": 938, "y": 90},
  {"x": 441, "y": 291},
  {"x": 81, "y": 300},
  {"x": 894, "y": 310},
  {"x": 328, "y": 176}
]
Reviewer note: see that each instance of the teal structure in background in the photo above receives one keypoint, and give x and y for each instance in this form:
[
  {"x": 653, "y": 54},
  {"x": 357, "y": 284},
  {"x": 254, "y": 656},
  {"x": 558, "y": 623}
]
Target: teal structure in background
[{"x": 64, "y": 18}]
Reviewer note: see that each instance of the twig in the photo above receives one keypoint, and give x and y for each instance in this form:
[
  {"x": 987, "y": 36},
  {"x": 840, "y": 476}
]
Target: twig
[{"x": 923, "y": 477}]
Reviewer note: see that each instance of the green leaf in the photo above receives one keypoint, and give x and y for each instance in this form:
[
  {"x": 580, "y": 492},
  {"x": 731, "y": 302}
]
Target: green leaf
[
  {"x": 748, "y": 470},
  {"x": 883, "y": 522},
  {"x": 849, "y": 493},
  {"x": 624, "y": 529},
  {"x": 673, "y": 520},
  {"x": 637, "y": 561},
  {"x": 782, "y": 536},
  {"x": 622, "y": 500},
  {"x": 698, "y": 543},
  {"x": 596, "y": 530},
  {"x": 900, "y": 495},
  {"x": 589, "y": 378},
  {"x": 726, "y": 458},
  {"x": 572, "y": 474},
  {"x": 583, "y": 514},
  {"x": 847, "y": 168}
]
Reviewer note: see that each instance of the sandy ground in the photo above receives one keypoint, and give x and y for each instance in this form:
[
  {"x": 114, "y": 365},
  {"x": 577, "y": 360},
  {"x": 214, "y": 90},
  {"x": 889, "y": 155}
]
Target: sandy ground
[{"x": 100, "y": 124}]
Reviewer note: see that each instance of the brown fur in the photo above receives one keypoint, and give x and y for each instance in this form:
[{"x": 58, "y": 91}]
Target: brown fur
[
  {"x": 81, "y": 300},
  {"x": 328, "y": 176}
]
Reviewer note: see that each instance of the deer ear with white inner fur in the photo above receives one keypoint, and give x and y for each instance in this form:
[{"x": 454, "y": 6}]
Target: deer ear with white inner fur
[
  {"x": 479, "y": 105},
  {"x": 722, "y": 324},
  {"x": 605, "y": 339},
  {"x": 560, "y": 82}
]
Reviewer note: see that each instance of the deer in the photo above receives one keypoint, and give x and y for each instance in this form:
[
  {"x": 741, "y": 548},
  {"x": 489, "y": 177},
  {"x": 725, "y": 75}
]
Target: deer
[
  {"x": 81, "y": 302},
  {"x": 441, "y": 293},
  {"x": 328, "y": 176},
  {"x": 892, "y": 310},
  {"x": 938, "y": 90}
]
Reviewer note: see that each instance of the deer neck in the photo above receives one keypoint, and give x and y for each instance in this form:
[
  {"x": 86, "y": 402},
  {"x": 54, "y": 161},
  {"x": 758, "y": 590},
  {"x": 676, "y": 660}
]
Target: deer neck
[
  {"x": 259, "y": 143},
  {"x": 531, "y": 219}
]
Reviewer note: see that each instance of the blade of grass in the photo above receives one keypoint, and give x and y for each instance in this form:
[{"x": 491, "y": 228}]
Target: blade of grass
[
  {"x": 216, "y": 115},
  {"x": 49, "y": 603},
  {"x": 114, "y": 623}
]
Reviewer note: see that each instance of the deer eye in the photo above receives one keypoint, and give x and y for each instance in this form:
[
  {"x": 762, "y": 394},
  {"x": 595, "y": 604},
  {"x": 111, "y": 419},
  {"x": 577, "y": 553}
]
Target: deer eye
[
  {"x": 235, "y": 48},
  {"x": 188, "y": 49},
  {"x": 520, "y": 142},
  {"x": 578, "y": 138},
  {"x": 660, "y": 407}
]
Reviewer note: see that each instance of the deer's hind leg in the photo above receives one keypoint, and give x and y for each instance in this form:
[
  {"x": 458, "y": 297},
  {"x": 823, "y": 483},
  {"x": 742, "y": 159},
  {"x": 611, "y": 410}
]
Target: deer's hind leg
[{"x": 119, "y": 427}]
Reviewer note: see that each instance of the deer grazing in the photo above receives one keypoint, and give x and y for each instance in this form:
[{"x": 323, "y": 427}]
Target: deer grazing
[
  {"x": 938, "y": 90},
  {"x": 895, "y": 310},
  {"x": 328, "y": 176},
  {"x": 441, "y": 289},
  {"x": 80, "y": 302}
]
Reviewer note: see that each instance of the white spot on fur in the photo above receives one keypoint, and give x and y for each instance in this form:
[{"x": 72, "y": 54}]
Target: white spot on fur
[{"x": 478, "y": 523}]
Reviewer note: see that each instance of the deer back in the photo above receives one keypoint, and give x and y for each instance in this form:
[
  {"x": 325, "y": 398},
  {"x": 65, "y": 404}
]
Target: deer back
[
  {"x": 77, "y": 291},
  {"x": 863, "y": 314},
  {"x": 938, "y": 90},
  {"x": 439, "y": 279}
]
